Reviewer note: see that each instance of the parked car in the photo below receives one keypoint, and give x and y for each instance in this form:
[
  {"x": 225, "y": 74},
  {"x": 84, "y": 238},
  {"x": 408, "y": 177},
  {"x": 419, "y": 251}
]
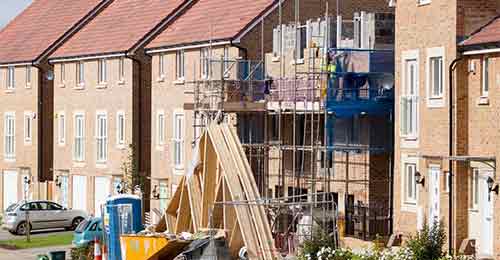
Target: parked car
[
  {"x": 86, "y": 233},
  {"x": 42, "y": 215}
]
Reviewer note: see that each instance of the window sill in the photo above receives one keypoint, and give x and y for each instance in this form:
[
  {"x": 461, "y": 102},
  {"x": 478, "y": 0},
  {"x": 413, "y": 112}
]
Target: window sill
[
  {"x": 27, "y": 143},
  {"x": 473, "y": 210},
  {"x": 80, "y": 86},
  {"x": 160, "y": 148},
  {"x": 161, "y": 79},
  {"x": 9, "y": 159},
  {"x": 9, "y": 91},
  {"x": 28, "y": 86},
  {"x": 120, "y": 146},
  {"x": 62, "y": 85},
  {"x": 61, "y": 144},
  {"x": 298, "y": 62},
  {"x": 409, "y": 207},
  {"x": 79, "y": 164},
  {"x": 179, "y": 170},
  {"x": 435, "y": 102},
  {"x": 102, "y": 85},
  {"x": 121, "y": 82},
  {"x": 101, "y": 165},
  {"x": 275, "y": 59},
  {"x": 483, "y": 101},
  {"x": 424, "y": 3},
  {"x": 179, "y": 82}
]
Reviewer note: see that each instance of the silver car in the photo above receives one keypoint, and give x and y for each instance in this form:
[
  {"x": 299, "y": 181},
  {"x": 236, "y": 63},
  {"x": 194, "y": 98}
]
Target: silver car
[{"x": 42, "y": 215}]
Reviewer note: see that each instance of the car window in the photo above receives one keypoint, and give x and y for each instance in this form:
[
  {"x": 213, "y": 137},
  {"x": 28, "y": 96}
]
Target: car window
[
  {"x": 42, "y": 205},
  {"x": 83, "y": 225},
  {"x": 30, "y": 206},
  {"x": 93, "y": 227},
  {"x": 12, "y": 207},
  {"x": 53, "y": 206}
]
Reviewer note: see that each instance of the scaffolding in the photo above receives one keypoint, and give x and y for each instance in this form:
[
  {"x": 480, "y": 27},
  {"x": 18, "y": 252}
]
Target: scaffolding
[{"x": 288, "y": 125}]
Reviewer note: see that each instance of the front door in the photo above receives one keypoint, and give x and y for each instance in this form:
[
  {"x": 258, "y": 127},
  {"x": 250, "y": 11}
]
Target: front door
[
  {"x": 10, "y": 185},
  {"x": 434, "y": 196},
  {"x": 486, "y": 214}
]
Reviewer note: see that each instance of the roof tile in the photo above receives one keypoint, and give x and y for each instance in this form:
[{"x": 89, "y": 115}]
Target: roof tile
[
  {"x": 39, "y": 26},
  {"x": 118, "y": 28},
  {"x": 490, "y": 33},
  {"x": 211, "y": 19}
]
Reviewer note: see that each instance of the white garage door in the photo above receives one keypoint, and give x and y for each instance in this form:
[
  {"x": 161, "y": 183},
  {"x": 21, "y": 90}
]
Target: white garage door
[
  {"x": 102, "y": 191},
  {"x": 79, "y": 192},
  {"x": 9, "y": 188}
]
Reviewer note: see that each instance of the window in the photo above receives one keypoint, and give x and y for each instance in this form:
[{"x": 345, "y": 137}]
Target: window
[
  {"x": 161, "y": 66},
  {"x": 117, "y": 185},
  {"x": 120, "y": 129},
  {"x": 301, "y": 42},
  {"x": 79, "y": 148},
  {"x": 226, "y": 62},
  {"x": 485, "y": 85},
  {"x": 178, "y": 139},
  {"x": 10, "y": 78},
  {"x": 80, "y": 73},
  {"x": 62, "y": 73},
  {"x": 27, "y": 127},
  {"x": 205, "y": 62},
  {"x": 436, "y": 77},
  {"x": 447, "y": 182},
  {"x": 102, "y": 71},
  {"x": 163, "y": 192},
  {"x": 180, "y": 64},
  {"x": 61, "y": 128},
  {"x": 121, "y": 69},
  {"x": 409, "y": 100},
  {"x": 102, "y": 137},
  {"x": 9, "y": 130},
  {"x": 160, "y": 128},
  {"x": 410, "y": 188},
  {"x": 28, "y": 76},
  {"x": 474, "y": 188}
]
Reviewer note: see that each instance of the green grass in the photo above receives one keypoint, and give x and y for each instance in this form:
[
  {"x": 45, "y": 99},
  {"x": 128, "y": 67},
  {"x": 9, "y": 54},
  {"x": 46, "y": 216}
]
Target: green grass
[{"x": 46, "y": 241}]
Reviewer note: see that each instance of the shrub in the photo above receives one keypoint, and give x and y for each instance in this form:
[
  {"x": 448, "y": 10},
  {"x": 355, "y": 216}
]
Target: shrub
[
  {"x": 428, "y": 243},
  {"x": 82, "y": 253}
]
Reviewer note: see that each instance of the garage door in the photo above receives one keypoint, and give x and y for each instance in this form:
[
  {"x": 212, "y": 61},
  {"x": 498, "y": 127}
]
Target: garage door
[
  {"x": 102, "y": 191},
  {"x": 9, "y": 188},
  {"x": 79, "y": 192}
]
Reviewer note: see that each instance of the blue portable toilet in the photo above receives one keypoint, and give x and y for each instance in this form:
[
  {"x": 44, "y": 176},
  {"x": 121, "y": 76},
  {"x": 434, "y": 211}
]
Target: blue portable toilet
[{"x": 123, "y": 215}]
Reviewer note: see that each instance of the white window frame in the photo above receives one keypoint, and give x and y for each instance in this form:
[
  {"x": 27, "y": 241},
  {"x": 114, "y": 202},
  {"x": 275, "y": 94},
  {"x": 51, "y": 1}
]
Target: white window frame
[
  {"x": 160, "y": 129},
  {"x": 79, "y": 137},
  {"x": 474, "y": 188},
  {"x": 410, "y": 96},
  {"x": 423, "y": 2},
  {"x": 205, "y": 62},
  {"x": 447, "y": 182},
  {"x": 102, "y": 71},
  {"x": 62, "y": 73},
  {"x": 80, "y": 74},
  {"x": 485, "y": 72},
  {"x": 28, "y": 76},
  {"x": 409, "y": 204},
  {"x": 11, "y": 78},
  {"x": 161, "y": 67},
  {"x": 433, "y": 100},
  {"x": 178, "y": 137},
  {"x": 61, "y": 128},
  {"x": 121, "y": 70},
  {"x": 120, "y": 129},
  {"x": 180, "y": 68},
  {"x": 28, "y": 127},
  {"x": 101, "y": 136},
  {"x": 10, "y": 136}
]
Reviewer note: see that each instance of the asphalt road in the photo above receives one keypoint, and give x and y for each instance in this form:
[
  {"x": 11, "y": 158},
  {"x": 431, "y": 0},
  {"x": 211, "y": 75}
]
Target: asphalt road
[{"x": 5, "y": 235}]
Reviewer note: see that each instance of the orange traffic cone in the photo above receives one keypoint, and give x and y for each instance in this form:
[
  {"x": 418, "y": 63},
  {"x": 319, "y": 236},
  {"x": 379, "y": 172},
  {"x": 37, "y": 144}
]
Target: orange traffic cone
[{"x": 97, "y": 250}]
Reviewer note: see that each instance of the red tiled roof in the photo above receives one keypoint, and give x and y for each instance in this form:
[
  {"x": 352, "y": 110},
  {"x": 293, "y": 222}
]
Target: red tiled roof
[
  {"x": 39, "y": 26},
  {"x": 211, "y": 19},
  {"x": 488, "y": 34},
  {"x": 118, "y": 28}
]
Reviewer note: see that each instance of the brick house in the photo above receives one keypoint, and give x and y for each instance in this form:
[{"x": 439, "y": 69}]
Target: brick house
[
  {"x": 428, "y": 34},
  {"x": 102, "y": 97},
  {"x": 26, "y": 96}
]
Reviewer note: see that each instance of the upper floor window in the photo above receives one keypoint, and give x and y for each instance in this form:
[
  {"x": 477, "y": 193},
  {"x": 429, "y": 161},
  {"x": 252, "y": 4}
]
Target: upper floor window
[
  {"x": 436, "y": 77},
  {"x": 409, "y": 99},
  {"x": 120, "y": 129},
  {"x": 28, "y": 76},
  {"x": 121, "y": 69},
  {"x": 180, "y": 64},
  {"x": 485, "y": 84},
  {"x": 178, "y": 140},
  {"x": 160, "y": 128},
  {"x": 410, "y": 183},
  {"x": 102, "y": 137},
  {"x": 9, "y": 135},
  {"x": 61, "y": 129},
  {"x": 205, "y": 62},
  {"x": 226, "y": 62},
  {"x": 80, "y": 73},
  {"x": 79, "y": 146},
  {"x": 102, "y": 71},
  {"x": 11, "y": 78},
  {"x": 62, "y": 73},
  {"x": 161, "y": 66},
  {"x": 301, "y": 42},
  {"x": 27, "y": 127}
]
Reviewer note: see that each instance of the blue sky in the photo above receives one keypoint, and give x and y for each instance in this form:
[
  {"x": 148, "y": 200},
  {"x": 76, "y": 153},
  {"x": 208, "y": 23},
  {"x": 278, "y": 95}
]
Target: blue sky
[{"x": 10, "y": 8}]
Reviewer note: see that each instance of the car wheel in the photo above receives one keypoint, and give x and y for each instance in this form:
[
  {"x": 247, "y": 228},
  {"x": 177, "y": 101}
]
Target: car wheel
[
  {"x": 22, "y": 228},
  {"x": 76, "y": 222}
]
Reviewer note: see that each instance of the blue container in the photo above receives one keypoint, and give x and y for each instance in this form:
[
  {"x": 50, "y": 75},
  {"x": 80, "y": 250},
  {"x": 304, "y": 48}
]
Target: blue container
[{"x": 123, "y": 215}]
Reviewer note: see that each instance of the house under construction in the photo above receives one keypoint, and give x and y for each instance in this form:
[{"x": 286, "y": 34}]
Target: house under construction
[{"x": 315, "y": 114}]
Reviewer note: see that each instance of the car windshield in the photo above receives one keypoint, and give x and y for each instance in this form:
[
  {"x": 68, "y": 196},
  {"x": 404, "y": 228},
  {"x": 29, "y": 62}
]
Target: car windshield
[
  {"x": 83, "y": 225},
  {"x": 12, "y": 207}
]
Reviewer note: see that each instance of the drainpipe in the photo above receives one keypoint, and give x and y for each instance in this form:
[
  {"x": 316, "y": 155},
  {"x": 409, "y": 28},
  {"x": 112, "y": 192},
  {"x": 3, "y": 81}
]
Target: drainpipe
[
  {"x": 40, "y": 118},
  {"x": 450, "y": 153}
]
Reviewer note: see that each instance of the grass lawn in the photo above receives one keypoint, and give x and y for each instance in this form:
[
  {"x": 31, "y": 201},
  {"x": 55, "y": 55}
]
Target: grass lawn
[{"x": 46, "y": 241}]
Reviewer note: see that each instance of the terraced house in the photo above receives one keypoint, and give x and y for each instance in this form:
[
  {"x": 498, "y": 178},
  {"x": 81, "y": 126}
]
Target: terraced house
[
  {"x": 102, "y": 103},
  {"x": 26, "y": 162},
  {"x": 445, "y": 160}
]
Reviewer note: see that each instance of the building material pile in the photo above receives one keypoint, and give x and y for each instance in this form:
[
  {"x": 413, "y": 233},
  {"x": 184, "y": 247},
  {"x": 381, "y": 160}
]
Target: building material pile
[{"x": 210, "y": 196}]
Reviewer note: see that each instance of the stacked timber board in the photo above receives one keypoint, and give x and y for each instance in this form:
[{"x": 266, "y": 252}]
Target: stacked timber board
[{"x": 212, "y": 195}]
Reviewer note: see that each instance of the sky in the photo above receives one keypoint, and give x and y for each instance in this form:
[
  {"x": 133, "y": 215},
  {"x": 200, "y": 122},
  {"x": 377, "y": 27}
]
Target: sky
[{"x": 10, "y": 8}]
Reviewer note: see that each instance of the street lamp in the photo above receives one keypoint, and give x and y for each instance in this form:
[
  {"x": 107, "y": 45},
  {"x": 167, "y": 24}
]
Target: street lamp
[{"x": 419, "y": 179}]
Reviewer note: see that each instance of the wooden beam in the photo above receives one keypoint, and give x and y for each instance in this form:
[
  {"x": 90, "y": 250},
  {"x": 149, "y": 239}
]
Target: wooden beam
[
  {"x": 210, "y": 179},
  {"x": 183, "y": 223}
]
